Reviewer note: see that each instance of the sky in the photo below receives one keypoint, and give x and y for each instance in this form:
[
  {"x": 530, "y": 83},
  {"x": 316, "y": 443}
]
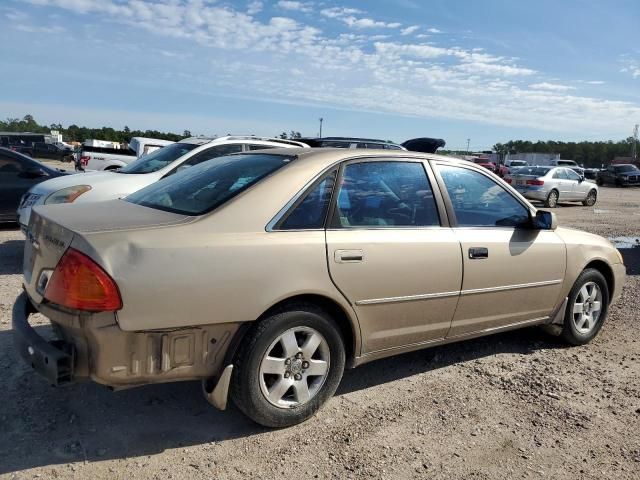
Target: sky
[{"x": 488, "y": 71}]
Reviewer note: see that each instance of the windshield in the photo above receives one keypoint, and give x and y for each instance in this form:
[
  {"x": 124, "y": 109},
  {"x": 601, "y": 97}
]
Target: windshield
[
  {"x": 626, "y": 168},
  {"x": 536, "y": 171},
  {"x": 518, "y": 163},
  {"x": 158, "y": 159},
  {"x": 204, "y": 187}
]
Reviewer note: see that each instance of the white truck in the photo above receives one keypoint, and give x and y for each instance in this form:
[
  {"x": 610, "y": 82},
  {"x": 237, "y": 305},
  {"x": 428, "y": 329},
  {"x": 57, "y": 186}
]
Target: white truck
[{"x": 95, "y": 156}]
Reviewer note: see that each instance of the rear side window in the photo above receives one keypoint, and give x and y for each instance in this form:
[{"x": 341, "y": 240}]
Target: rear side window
[
  {"x": 212, "y": 152},
  {"x": 560, "y": 174},
  {"x": 259, "y": 147},
  {"x": 200, "y": 189},
  {"x": 311, "y": 212},
  {"x": 385, "y": 194}
]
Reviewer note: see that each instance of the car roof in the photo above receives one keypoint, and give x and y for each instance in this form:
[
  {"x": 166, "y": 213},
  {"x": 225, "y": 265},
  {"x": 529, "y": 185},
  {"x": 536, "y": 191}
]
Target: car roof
[{"x": 324, "y": 157}]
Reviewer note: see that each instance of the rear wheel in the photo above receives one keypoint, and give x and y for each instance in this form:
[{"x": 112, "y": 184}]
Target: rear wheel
[
  {"x": 552, "y": 199},
  {"x": 289, "y": 365},
  {"x": 587, "y": 308},
  {"x": 591, "y": 199}
]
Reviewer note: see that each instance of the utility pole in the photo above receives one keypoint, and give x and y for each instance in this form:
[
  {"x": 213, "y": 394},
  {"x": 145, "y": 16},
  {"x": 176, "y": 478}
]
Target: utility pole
[
  {"x": 468, "y": 141},
  {"x": 320, "y": 127},
  {"x": 634, "y": 155}
]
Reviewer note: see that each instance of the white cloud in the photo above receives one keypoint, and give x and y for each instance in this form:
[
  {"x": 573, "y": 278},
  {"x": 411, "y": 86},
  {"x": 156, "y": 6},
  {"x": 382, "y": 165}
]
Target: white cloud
[
  {"x": 254, "y": 7},
  {"x": 434, "y": 30},
  {"x": 409, "y": 30},
  {"x": 347, "y": 15},
  {"x": 295, "y": 6},
  {"x": 295, "y": 62},
  {"x": 595, "y": 82},
  {"x": 554, "y": 87},
  {"x": 39, "y": 29}
]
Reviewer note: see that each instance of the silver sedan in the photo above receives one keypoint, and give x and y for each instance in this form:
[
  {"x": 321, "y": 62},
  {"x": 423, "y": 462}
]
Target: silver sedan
[{"x": 552, "y": 185}]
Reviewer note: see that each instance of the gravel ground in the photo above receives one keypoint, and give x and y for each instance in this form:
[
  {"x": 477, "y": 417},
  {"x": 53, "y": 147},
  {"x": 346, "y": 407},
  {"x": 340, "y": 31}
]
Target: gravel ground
[{"x": 515, "y": 405}]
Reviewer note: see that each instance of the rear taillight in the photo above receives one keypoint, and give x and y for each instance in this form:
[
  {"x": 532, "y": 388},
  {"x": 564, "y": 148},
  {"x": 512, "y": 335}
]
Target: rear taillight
[
  {"x": 81, "y": 284},
  {"x": 508, "y": 180},
  {"x": 535, "y": 182},
  {"x": 84, "y": 160}
]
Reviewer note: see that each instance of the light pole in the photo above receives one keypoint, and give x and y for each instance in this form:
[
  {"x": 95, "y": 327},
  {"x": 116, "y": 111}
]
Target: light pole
[
  {"x": 320, "y": 136},
  {"x": 468, "y": 141}
]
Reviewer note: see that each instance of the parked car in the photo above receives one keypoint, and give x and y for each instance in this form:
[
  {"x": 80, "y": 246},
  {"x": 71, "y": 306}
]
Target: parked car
[
  {"x": 489, "y": 165},
  {"x": 94, "y": 157},
  {"x": 552, "y": 185},
  {"x": 266, "y": 273},
  {"x": 100, "y": 186},
  {"x": 424, "y": 144},
  {"x": 591, "y": 173},
  {"x": 510, "y": 166},
  {"x": 45, "y": 150},
  {"x": 622, "y": 175},
  {"x": 350, "y": 142},
  {"x": 18, "y": 173}
]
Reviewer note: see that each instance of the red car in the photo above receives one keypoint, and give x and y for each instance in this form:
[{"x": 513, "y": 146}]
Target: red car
[{"x": 486, "y": 163}]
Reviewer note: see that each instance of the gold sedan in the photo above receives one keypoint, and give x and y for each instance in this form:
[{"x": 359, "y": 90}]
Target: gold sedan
[{"x": 266, "y": 274}]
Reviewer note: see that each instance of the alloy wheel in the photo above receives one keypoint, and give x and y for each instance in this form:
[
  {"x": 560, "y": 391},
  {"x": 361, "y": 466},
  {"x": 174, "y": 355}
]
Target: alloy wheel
[
  {"x": 294, "y": 367},
  {"x": 587, "y": 308}
]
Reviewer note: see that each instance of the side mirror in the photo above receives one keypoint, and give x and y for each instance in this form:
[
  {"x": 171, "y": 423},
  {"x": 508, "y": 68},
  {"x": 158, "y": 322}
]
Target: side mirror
[
  {"x": 581, "y": 179},
  {"x": 544, "y": 220}
]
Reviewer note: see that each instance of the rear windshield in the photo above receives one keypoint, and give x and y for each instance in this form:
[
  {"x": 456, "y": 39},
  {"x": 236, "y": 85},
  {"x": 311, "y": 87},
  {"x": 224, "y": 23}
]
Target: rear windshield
[
  {"x": 537, "y": 171},
  {"x": 204, "y": 187},
  {"x": 158, "y": 159}
]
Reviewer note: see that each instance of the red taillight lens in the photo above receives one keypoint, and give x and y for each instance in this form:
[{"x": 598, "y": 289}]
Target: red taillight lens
[
  {"x": 535, "y": 182},
  {"x": 80, "y": 283},
  {"x": 84, "y": 160},
  {"x": 508, "y": 180}
]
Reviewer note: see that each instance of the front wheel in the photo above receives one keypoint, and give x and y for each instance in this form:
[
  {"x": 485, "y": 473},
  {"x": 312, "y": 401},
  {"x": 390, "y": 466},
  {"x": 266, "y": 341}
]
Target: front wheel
[
  {"x": 288, "y": 366},
  {"x": 552, "y": 199},
  {"x": 591, "y": 199},
  {"x": 587, "y": 308}
]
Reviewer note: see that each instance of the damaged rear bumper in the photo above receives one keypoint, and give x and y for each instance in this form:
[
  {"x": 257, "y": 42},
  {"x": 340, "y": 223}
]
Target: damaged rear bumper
[
  {"x": 93, "y": 346},
  {"x": 54, "y": 360}
]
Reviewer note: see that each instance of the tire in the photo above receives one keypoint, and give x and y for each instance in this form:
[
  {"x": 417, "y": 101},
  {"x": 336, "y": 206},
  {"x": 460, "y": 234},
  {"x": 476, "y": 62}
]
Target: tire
[
  {"x": 576, "y": 330},
  {"x": 552, "y": 199},
  {"x": 592, "y": 198},
  {"x": 270, "y": 391}
]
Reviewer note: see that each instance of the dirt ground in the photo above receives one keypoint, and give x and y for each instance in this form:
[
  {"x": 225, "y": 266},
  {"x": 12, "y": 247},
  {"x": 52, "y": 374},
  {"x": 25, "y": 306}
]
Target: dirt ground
[{"x": 515, "y": 405}]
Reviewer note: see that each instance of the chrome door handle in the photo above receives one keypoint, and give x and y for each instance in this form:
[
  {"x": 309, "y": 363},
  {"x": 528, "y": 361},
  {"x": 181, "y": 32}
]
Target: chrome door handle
[
  {"x": 476, "y": 253},
  {"x": 348, "y": 256}
]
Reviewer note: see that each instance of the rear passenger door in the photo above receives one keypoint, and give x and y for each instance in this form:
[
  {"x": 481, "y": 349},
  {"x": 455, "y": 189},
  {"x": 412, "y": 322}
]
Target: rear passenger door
[
  {"x": 391, "y": 253},
  {"x": 563, "y": 184}
]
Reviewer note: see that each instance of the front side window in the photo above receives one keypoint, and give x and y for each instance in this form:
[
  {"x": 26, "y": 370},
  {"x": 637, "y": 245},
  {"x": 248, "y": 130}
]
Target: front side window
[
  {"x": 200, "y": 189},
  {"x": 158, "y": 159},
  {"x": 310, "y": 213},
  {"x": 478, "y": 201},
  {"x": 9, "y": 165},
  {"x": 385, "y": 194}
]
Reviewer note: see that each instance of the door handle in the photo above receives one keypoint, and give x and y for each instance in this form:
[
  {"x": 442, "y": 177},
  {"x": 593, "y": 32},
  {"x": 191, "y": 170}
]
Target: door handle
[
  {"x": 348, "y": 256},
  {"x": 476, "y": 253}
]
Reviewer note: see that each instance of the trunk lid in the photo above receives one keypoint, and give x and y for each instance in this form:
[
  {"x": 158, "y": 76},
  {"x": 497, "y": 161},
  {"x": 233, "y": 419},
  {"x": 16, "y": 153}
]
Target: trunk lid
[{"x": 54, "y": 228}]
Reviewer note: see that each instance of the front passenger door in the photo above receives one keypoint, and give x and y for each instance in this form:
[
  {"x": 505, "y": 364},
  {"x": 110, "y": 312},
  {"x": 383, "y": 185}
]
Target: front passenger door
[{"x": 512, "y": 273}]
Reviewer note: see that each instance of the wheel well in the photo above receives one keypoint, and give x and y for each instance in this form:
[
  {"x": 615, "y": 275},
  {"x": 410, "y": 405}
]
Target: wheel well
[
  {"x": 336, "y": 312},
  {"x": 606, "y": 272}
]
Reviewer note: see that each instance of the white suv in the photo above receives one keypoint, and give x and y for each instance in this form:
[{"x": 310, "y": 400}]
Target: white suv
[{"x": 108, "y": 185}]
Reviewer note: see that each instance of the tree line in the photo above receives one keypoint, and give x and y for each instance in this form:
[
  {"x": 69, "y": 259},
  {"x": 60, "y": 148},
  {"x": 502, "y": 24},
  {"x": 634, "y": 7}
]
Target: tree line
[{"x": 589, "y": 154}]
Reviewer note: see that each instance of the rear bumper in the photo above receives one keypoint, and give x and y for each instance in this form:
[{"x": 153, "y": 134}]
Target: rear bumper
[
  {"x": 54, "y": 360},
  {"x": 620, "y": 276},
  {"x": 533, "y": 193},
  {"x": 93, "y": 346}
]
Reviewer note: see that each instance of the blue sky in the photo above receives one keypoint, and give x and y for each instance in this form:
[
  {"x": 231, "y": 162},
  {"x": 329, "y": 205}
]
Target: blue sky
[{"x": 490, "y": 70}]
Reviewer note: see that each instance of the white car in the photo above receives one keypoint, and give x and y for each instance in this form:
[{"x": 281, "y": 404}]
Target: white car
[{"x": 109, "y": 185}]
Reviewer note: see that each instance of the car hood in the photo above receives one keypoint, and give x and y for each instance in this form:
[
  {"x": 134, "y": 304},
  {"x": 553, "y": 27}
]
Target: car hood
[
  {"x": 95, "y": 179},
  {"x": 424, "y": 144}
]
